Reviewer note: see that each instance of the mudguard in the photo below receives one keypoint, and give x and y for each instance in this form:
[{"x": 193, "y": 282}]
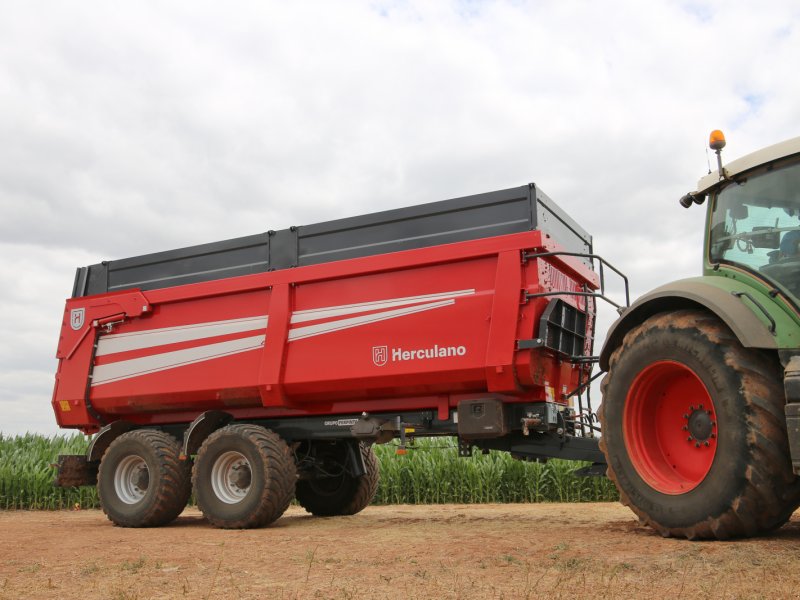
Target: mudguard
[{"x": 715, "y": 294}]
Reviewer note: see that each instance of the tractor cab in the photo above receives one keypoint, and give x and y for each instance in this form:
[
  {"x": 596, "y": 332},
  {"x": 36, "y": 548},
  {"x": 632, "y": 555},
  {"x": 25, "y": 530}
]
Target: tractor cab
[
  {"x": 754, "y": 216},
  {"x": 755, "y": 225}
]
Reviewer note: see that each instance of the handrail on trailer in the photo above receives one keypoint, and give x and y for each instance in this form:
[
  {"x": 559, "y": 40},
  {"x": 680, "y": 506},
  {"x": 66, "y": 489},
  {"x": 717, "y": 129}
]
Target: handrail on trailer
[
  {"x": 603, "y": 262},
  {"x": 525, "y": 344}
]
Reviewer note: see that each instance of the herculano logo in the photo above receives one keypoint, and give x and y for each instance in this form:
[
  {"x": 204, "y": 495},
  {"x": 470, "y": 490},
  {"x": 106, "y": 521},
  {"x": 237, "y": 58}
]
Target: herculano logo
[{"x": 380, "y": 354}]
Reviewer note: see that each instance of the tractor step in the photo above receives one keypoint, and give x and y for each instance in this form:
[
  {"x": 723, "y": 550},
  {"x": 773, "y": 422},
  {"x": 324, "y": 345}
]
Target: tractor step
[{"x": 791, "y": 384}]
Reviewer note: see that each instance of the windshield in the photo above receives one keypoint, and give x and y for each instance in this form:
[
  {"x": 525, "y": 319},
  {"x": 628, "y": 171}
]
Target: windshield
[{"x": 755, "y": 223}]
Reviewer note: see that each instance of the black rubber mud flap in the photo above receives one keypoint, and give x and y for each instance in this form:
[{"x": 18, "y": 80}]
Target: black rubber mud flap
[{"x": 74, "y": 470}]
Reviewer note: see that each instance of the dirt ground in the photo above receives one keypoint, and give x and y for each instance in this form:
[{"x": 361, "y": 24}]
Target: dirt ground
[{"x": 447, "y": 551}]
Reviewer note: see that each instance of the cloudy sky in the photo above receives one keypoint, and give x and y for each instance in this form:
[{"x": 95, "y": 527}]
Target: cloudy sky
[{"x": 134, "y": 127}]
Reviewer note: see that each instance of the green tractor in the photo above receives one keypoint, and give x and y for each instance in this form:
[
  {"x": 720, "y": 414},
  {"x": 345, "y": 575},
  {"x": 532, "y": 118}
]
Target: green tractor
[{"x": 701, "y": 402}]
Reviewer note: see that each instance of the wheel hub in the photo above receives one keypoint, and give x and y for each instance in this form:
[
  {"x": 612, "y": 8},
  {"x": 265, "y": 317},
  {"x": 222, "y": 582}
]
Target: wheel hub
[
  {"x": 242, "y": 476},
  {"x": 700, "y": 425},
  {"x": 142, "y": 478},
  {"x": 131, "y": 479},
  {"x": 231, "y": 477}
]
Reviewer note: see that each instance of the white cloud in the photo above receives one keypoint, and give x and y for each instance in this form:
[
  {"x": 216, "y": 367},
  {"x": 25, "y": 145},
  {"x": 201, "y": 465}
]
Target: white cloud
[{"x": 145, "y": 126}]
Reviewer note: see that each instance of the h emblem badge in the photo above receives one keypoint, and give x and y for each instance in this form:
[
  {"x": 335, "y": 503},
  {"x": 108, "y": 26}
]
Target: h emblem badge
[
  {"x": 76, "y": 318},
  {"x": 380, "y": 355}
]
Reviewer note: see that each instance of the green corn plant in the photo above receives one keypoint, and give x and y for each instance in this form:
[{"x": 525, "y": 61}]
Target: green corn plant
[
  {"x": 26, "y": 474},
  {"x": 430, "y": 473}
]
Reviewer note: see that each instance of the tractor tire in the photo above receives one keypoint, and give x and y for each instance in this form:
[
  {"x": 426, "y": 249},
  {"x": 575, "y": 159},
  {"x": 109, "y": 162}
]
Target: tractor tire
[
  {"x": 694, "y": 431},
  {"x": 141, "y": 481},
  {"x": 244, "y": 477},
  {"x": 343, "y": 494}
]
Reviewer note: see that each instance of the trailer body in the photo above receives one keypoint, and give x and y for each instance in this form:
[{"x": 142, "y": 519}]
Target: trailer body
[
  {"x": 404, "y": 330},
  {"x": 471, "y": 317}
]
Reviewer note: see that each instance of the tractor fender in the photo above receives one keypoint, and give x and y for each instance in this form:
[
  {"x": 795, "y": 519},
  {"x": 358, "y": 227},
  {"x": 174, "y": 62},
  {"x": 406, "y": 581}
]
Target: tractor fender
[{"x": 751, "y": 330}]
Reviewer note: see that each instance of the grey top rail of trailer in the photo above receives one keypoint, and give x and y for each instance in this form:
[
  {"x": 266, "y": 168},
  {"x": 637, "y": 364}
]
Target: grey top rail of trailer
[{"x": 490, "y": 214}]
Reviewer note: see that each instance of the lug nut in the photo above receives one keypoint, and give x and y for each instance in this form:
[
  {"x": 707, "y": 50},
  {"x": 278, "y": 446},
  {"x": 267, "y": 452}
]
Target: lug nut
[
  {"x": 689, "y": 439},
  {"x": 685, "y": 428},
  {"x": 697, "y": 444},
  {"x": 685, "y": 416},
  {"x": 706, "y": 443}
]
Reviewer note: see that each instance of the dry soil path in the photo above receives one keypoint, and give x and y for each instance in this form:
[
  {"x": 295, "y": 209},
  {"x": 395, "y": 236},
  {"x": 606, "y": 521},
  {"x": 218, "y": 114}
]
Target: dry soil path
[{"x": 450, "y": 551}]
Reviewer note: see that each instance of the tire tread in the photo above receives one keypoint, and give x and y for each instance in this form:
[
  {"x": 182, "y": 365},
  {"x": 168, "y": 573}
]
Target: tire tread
[
  {"x": 280, "y": 477},
  {"x": 771, "y": 492},
  {"x": 173, "y": 475},
  {"x": 360, "y": 494}
]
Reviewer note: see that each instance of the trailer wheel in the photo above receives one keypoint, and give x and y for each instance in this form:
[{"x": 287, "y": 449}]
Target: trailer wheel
[
  {"x": 341, "y": 493},
  {"x": 694, "y": 432},
  {"x": 244, "y": 477},
  {"x": 141, "y": 481}
]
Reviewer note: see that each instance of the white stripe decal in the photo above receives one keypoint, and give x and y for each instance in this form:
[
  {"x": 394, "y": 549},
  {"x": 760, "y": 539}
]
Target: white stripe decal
[
  {"x": 169, "y": 360},
  {"x": 301, "y": 316},
  {"x": 137, "y": 340},
  {"x": 126, "y": 369},
  {"x": 300, "y": 333}
]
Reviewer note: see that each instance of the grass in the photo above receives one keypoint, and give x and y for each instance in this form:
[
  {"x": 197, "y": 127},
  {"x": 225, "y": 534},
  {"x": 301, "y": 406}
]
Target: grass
[{"x": 431, "y": 473}]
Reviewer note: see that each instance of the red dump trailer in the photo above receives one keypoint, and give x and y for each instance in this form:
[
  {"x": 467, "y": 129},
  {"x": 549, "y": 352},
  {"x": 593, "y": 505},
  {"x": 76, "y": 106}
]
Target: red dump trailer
[{"x": 263, "y": 368}]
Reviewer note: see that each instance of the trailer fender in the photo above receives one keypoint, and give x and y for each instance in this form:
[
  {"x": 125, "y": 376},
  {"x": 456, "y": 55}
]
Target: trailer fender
[
  {"x": 202, "y": 427},
  {"x": 751, "y": 330},
  {"x": 103, "y": 438}
]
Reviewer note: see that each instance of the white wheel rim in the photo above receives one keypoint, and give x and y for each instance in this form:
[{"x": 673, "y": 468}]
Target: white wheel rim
[
  {"x": 230, "y": 477},
  {"x": 131, "y": 479}
]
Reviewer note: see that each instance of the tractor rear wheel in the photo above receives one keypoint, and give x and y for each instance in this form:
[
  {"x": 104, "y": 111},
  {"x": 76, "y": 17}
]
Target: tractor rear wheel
[
  {"x": 694, "y": 431},
  {"x": 334, "y": 491},
  {"x": 244, "y": 477},
  {"x": 141, "y": 481}
]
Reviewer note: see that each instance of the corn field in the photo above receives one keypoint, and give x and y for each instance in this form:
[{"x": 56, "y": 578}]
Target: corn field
[
  {"x": 430, "y": 473},
  {"x": 26, "y": 477},
  {"x": 433, "y": 473}
]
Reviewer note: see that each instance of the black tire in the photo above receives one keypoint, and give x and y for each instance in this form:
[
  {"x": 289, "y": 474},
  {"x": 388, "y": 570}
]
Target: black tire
[
  {"x": 747, "y": 486},
  {"x": 141, "y": 481},
  {"x": 342, "y": 494},
  {"x": 254, "y": 480}
]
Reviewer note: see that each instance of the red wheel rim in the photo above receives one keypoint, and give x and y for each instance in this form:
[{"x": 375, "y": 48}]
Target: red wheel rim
[{"x": 670, "y": 427}]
